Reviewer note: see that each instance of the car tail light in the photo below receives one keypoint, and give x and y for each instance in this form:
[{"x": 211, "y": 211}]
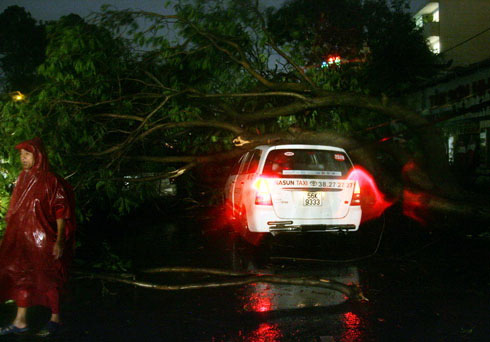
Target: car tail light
[
  {"x": 356, "y": 196},
  {"x": 263, "y": 194}
]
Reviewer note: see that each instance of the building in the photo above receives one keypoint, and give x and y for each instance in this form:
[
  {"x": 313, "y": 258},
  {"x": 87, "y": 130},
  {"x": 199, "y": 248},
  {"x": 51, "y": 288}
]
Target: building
[
  {"x": 459, "y": 99},
  {"x": 459, "y": 30}
]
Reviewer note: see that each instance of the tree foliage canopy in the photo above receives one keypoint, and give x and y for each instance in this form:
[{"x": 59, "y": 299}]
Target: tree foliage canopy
[
  {"x": 22, "y": 48},
  {"x": 132, "y": 95},
  {"x": 394, "y": 54}
]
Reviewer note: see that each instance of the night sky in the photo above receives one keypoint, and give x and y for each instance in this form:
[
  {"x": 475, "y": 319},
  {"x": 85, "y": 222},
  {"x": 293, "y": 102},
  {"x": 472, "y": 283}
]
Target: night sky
[{"x": 54, "y": 9}]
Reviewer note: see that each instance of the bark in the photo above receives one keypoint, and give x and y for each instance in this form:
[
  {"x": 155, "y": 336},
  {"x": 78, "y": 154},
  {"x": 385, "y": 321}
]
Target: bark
[
  {"x": 353, "y": 292},
  {"x": 293, "y": 135},
  {"x": 192, "y": 159},
  {"x": 187, "y": 124},
  {"x": 167, "y": 175}
]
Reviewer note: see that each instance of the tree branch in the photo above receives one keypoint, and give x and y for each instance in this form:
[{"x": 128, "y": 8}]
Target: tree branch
[
  {"x": 193, "y": 159},
  {"x": 120, "y": 116},
  {"x": 87, "y": 105},
  {"x": 243, "y": 61},
  {"x": 167, "y": 175},
  {"x": 339, "y": 100},
  {"x": 353, "y": 292},
  {"x": 185, "y": 124},
  {"x": 328, "y": 137},
  {"x": 269, "y": 93},
  {"x": 279, "y": 51},
  {"x": 214, "y": 41}
]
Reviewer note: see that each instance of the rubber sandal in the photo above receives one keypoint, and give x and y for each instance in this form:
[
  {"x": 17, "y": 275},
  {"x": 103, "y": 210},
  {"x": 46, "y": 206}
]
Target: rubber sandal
[
  {"x": 50, "y": 329},
  {"x": 12, "y": 329}
]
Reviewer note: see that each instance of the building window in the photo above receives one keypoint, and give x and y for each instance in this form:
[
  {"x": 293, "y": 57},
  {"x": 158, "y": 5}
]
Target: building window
[
  {"x": 419, "y": 22},
  {"x": 427, "y": 14},
  {"x": 435, "y": 16},
  {"x": 450, "y": 147},
  {"x": 434, "y": 44}
]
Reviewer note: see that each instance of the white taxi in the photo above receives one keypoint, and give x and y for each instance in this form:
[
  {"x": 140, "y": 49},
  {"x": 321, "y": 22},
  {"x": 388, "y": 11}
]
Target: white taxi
[{"x": 293, "y": 188}]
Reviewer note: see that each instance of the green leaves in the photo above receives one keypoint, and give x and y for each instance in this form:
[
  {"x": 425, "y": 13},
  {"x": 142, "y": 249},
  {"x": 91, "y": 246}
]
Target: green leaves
[
  {"x": 286, "y": 121},
  {"x": 22, "y": 49},
  {"x": 126, "y": 84}
]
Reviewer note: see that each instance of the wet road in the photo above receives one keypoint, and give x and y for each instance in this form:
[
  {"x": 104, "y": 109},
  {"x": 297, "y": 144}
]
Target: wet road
[{"x": 421, "y": 285}]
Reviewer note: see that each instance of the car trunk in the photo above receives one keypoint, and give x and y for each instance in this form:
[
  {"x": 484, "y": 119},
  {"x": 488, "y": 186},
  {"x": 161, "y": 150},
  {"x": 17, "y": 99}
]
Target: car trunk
[
  {"x": 311, "y": 198},
  {"x": 309, "y": 183}
]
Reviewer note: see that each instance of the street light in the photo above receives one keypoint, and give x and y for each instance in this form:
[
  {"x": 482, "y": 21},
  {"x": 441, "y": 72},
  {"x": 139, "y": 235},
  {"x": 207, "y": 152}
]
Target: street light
[{"x": 17, "y": 96}]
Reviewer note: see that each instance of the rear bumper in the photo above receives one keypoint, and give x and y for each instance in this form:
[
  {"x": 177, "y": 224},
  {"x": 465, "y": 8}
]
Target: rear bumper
[
  {"x": 319, "y": 228},
  {"x": 264, "y": 220}
]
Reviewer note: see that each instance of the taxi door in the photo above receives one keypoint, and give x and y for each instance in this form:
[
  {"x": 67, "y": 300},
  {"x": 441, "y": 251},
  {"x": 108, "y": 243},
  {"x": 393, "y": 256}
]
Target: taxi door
[
  {"x": 231, "y": 180},
  {"x": 238, "y": 184},
  {"x": 245, "y": 193}
]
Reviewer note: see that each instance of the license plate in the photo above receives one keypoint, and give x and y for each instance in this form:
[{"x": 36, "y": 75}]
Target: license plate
[{"x": 312, "y": 199}]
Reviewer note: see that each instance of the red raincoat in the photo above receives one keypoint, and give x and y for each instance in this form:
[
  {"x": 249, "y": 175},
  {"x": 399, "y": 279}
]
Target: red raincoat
[{"x": 29, "y": 273}]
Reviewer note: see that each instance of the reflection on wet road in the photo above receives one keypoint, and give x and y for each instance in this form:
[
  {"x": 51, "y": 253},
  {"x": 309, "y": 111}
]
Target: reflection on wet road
[
  {"x": 352, "y": 325},
  {"x": 284, "y": 312},
  {"x": 283, "y": 300},
  {"x": 263, "y": 297},
  {"x": 266, "y": 332},
  {"x": 437, "y": 294}
]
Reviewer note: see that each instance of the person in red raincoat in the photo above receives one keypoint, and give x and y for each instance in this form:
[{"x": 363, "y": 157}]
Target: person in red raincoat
[{"x": 37, "y": 247}]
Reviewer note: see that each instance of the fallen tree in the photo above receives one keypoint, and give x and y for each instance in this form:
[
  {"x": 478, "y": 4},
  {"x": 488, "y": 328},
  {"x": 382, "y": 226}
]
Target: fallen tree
[
  {"x": 209, "y": 82},
  {"x": 352, "y": 292}
]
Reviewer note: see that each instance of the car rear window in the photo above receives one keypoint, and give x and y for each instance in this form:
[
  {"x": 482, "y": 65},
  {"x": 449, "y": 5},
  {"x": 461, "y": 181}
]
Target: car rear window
[{"x": 302, "y": 163}]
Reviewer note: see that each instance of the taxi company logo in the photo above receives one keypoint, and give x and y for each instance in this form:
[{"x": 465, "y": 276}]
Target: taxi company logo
[
  {"x": 285, "y": 182},
  {"x": 291, "y": 182}
]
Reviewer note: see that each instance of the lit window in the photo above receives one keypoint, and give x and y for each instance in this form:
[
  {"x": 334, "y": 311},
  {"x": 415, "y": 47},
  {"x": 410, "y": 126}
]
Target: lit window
[
  {"x": 419, "y": 22},
  {"x": 434, "y": 44},
  {"x": 436, "y": 47},
  {"x": 428, "y": 14},
  {"x": 450, "y": 145},
  {"x": 435, "y": 16}
]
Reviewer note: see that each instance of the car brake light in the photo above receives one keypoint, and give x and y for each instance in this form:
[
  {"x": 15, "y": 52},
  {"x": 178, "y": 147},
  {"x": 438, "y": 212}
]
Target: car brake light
[
  {"x": 263, "y": 194},
  {"x": 356, "y": 196}
]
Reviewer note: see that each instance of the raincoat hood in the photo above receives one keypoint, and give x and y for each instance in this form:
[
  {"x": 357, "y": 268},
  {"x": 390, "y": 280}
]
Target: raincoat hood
[{"x": 36, "y": 147}]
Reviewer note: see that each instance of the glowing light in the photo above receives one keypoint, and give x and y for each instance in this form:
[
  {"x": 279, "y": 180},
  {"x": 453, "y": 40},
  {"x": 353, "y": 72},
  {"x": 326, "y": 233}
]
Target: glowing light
[
  {"x": 415, "y": 206},
  {"x": 414, "y": 203},
  {"x": 261, "y": 185},
  {"x": 352, "y": 325},
  {"x": 434, "y": 44},
  {"x": 266, "y": 332},
  {"x": 17, "y": 96},
  {"x": 356, "y": 196},
  {"x": 435, "y": 16},
  {"x": 219, "y": 218},
  {"x": 410, "y": 166},
  {"x": 260, "y": 301},
  {"x": 263, "y": 195},
  {"x": 373, "y": 201},
  {"x": 334, "y": 59},
  {"x": 330, "y": 61}
]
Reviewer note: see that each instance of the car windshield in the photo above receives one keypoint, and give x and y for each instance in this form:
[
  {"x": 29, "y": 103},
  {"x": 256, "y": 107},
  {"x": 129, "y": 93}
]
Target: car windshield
[{"x": 304, "y": 163}]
